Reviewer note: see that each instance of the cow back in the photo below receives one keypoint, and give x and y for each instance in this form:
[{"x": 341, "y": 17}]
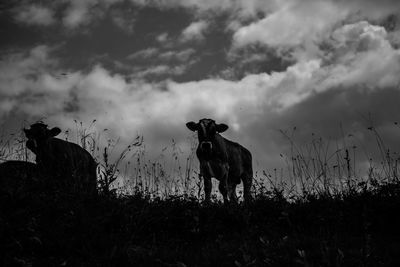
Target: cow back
[{"x": 68, "y": 162}]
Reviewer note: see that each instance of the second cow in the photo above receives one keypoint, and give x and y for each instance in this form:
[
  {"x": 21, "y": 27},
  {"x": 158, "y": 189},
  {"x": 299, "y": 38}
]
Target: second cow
[{"x": 65, "y": 163}]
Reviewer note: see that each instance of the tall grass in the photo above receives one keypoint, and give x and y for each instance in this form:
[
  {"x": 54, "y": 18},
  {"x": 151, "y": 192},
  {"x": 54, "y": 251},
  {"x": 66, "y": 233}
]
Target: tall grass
[
  {"x": 315, "y": 167},
  {"x": 331, "y": 167},
  {"x": 123, "y": 169},
  {"x": 12, "y": 146},
  {"x": 130, "y": 169}
]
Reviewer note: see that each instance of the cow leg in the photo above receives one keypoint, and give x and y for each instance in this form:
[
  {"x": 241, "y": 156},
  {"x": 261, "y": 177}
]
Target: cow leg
[
  {"x": 223, "y": 183},
  {"x": 207, "y": 188},
  {"x": 232, "y": 192},
  {"x": 247, "y": 181},
  {"x": 224, "y": 191}
]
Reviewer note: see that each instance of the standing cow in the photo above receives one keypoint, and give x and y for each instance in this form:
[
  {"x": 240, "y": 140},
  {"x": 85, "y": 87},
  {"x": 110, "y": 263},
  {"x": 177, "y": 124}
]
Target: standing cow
[
  {"x": 17, "y": 178},
  {"x": 222, "y": 159},
  {"x": 66, "y": 163}
]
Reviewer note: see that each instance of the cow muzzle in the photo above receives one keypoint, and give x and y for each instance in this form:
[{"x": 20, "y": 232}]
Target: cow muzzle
[{"x": 206, "y": 146}]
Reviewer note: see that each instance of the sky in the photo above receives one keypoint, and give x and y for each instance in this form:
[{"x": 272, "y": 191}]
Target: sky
[{"x": 267, "y": 68}]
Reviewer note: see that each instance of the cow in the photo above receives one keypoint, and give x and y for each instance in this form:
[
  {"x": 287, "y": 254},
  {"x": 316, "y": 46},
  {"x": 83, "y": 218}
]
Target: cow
[
  {"x": 222, "y": 159},
  {"x": 17, "y": 178},
  {"x": 66, "y": 163}
]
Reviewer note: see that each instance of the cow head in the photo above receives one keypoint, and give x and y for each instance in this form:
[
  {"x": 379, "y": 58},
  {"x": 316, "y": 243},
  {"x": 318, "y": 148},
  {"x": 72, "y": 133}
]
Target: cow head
[
  {"x": 38, "y": 134},
  {"x": 206, "y": 131}
]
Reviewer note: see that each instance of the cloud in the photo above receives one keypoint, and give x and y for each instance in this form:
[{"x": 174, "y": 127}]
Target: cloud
[
  {"x": 263, "y": 13},
  {"x": 253, "y": 59},
  {"x": 158, "y": 70},
  {"x": 181, "y": 56},
  {"x": 201, "y": 5},
  {"x": 241, "y": 9},
  {"x": 371, "y": 9},
  {"x": 298, "y": 28},
  {"x": 362, "y": 54},
  {"x": 99, "y": 90},
  {"x": 35, "y": 15},
  {"x": 78, "y": 13},
  {"x": 292, "y": 25},
  {"x": 360, "y": 37},
  {"x": 158, "y": 63},
  {"x": 18, "y": 69},
  {"x": 163, "y": 37},
  {"x": 83, "y": 12},
  {"x": 75, "y": 13},
  {"x": 143, "y": 54},
  {"x": 28, "y": 82},
  {"x": 357, "y": 61},
  {"x": 124, "y": 19},
  {"x": 72, "y": 13},
  {"x": 195, "y": 31},
  {"x": 128, "y": 106}
]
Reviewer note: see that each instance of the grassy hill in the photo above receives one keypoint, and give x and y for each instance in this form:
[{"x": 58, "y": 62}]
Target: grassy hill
[
  {"x": 321, "y": 212},
  {"x": 359, "y": 227}
]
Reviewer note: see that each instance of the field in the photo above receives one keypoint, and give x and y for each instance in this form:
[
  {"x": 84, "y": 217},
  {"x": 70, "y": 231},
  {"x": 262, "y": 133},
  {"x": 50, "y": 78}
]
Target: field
[
  {"x": 55, "y": 229},
  {"x": 312, "y": 218}
]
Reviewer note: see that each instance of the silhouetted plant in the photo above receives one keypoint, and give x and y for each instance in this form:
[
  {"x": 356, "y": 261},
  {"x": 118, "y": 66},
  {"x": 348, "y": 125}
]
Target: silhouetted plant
[{"x": 109, "y": 172}]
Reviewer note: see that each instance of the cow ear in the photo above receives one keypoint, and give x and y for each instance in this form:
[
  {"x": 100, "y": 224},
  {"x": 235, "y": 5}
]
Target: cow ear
[
  {"x": 192, "y": 126},
  {"x": 54, "y": 131},
  {"x": 221, "y": 127}
]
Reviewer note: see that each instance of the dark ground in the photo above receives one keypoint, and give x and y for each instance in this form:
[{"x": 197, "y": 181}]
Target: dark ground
[{"x": 50, "y": 228}]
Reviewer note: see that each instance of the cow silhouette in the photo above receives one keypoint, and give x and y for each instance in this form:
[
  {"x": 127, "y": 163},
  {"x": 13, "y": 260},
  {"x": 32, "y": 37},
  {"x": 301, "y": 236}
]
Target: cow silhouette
[
  {"x": 222, "y": 159},
  {"x": 17, "y": 178},
  {"x": 71, "y": 166}
]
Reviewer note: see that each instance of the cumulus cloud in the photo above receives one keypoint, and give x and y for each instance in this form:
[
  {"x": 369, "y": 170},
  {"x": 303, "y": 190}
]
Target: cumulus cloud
[
  {"x": 74, "y": 13},
  {"x": 194, "y": 31},
  {"x": 17, "y": 68},
  {"x": 162, "y": 37},
  {"x": 361, "y": 54},
  {"x": 78, "y": 13},
  {"x": 28, "y": 82},
  {"x": 370, "y": 8},
  {"x": 298, "y": 28},
  {"x": 292, "y": 25},
  {"x": 35, "y": 15},
  {"x": 356, "y": 61},
  {"x": 82, "y": 12},
  {"x": 245, "y": 11},
  {"x": 131, "y": 106}
]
